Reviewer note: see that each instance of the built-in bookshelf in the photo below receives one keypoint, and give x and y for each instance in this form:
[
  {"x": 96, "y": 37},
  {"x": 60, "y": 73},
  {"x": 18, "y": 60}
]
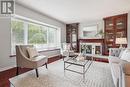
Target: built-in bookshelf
[
  {"x": 72, "y": 35},
  {"x": 115, "y": 27}
]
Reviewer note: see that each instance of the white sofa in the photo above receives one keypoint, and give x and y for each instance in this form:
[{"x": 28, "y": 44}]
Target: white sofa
[{"x": 120, "y": 69}]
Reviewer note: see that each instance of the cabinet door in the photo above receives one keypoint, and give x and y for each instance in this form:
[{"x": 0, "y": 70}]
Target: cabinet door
[
  {"x": 98, "y": 50},
  {"x": 115, "y": 27},
  {"x": 72, "y": 35},
  {"x": 121, "y": 26},
  {"x": 120, "y": 22},
  {"x": 109, "y": 24}
]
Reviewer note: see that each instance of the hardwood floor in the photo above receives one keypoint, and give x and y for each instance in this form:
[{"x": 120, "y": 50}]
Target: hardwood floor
[{"x": 5, "y": 75}]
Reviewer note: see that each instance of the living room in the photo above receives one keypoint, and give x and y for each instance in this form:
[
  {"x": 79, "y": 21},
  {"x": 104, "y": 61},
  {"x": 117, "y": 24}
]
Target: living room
[{"x": 98, "y": 30}]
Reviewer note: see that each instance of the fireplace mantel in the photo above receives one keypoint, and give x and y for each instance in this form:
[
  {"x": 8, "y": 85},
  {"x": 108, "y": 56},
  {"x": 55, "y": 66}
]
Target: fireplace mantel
[{"x": 91, "y": 40}]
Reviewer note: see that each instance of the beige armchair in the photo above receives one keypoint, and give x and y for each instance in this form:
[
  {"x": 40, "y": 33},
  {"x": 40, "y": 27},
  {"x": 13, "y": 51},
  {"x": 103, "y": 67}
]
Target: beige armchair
[{"x": 24, "y": 61}]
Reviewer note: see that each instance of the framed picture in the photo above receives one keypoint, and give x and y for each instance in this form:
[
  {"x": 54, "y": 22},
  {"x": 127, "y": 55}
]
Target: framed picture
[{"x": 90, "y": 31}]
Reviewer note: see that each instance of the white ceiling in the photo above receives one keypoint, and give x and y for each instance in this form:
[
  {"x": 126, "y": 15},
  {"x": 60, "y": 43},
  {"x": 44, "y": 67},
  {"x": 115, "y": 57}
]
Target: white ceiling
[{"x": 70, "y": 11}]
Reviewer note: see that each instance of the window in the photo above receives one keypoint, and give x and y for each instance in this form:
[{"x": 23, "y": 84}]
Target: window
[
  {"x": 41, "y": 36},
  {"x": 17, "y": 33},
  {"x": 37, "y": 34}
]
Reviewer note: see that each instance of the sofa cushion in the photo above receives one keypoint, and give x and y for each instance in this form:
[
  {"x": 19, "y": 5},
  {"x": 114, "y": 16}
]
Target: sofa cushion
[
  {"x": 126, "y": 55},
  {"x": 32, "y": 52}
]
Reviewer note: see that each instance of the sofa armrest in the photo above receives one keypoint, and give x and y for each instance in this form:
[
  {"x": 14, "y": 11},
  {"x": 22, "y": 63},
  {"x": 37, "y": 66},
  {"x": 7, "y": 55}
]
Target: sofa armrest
[
  {"x": 113, "y": 59},
  {"x": 126, "y": 68}
]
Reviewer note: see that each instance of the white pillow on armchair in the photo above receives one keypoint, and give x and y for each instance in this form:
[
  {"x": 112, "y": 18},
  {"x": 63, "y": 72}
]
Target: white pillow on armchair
[
  {"x": 126, "y": 55},
  {"x": 32, "y": 52}
]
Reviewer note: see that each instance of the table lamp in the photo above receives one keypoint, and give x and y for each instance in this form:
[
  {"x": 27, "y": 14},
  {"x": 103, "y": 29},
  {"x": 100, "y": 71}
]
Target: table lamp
[{"x": 121, "y": 41}]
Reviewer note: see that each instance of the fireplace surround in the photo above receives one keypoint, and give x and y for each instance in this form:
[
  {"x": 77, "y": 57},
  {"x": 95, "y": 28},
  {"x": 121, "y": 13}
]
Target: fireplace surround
[{"x": 91, "y": 46}]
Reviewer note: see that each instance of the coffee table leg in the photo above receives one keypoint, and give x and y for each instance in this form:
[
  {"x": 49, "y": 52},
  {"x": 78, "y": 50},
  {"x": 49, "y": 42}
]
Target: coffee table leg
[
  {"x": 83, "y": 72},
  {"x": 64, "y": 66}
]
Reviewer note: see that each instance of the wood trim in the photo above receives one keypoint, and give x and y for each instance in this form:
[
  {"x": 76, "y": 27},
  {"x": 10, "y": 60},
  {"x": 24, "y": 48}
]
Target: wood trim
[
  {"x": 91, "y": 40},
  {"x": 125, "y": 14},
  {"x": 101, "y": 60},
  {"x": 55, "y": 58}
]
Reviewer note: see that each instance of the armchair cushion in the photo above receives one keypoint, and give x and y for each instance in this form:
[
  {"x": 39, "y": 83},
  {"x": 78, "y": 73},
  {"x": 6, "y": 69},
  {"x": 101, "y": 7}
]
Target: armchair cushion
[
  {"x": 38, "y": 58},
  {"x": 32, "y": 52}
]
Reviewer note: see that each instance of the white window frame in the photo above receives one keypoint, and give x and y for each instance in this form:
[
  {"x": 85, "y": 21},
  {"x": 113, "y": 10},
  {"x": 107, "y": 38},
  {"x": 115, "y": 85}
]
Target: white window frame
[{"x": 27, "y": 21}]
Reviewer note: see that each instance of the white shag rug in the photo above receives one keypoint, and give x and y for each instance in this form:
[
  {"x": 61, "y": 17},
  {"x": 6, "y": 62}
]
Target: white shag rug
[{"x": 98, "y": 75}]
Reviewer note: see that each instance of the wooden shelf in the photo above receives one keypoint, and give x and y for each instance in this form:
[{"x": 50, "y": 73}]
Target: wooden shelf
[
  {"x": 72, "y": 29},
  {"x": 112, "y": 31}
]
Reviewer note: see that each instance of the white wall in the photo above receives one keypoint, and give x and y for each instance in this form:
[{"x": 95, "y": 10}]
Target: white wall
[
  {"x": 128, "y": 29},
  {"x": 99, "y": 23},
  {"x": 5, "y": 61},
  {"x": 26, "y": 12}
]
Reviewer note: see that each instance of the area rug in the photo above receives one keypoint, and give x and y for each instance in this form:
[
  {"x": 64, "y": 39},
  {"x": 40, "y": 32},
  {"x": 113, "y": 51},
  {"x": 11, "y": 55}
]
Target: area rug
[{"x": 98, "y": 75}]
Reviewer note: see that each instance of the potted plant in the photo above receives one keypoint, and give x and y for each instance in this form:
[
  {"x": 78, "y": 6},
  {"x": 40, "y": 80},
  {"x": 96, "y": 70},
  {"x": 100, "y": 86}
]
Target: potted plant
[{"x": 100, "y": 33}]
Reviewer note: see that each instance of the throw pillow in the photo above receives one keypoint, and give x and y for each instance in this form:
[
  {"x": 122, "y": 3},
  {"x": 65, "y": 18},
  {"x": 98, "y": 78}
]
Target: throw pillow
[
  {"x": 32, "y": 52},
  {"x": 121, "y": 52},
  {"x": 126, "y": 55}
]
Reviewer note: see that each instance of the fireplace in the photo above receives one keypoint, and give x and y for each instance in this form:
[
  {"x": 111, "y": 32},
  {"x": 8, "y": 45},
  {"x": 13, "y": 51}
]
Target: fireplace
[{"x": 91, "y": 46}]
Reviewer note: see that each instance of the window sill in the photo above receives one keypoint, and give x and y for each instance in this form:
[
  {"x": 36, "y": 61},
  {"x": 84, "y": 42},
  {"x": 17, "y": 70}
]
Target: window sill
[
  {"x": 45, "y": 50},
  {"x": 49, "y": 49}
]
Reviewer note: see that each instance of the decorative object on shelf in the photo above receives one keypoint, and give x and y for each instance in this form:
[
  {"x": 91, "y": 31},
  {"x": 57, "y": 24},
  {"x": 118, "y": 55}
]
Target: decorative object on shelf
[
  {"x": 100, "y": 33},
  {"x": 121, "y": 41},
  {"x": 80, "y": 57},
  {"x": 114, "y": 27},
  {"x": 98, "y": 50}
]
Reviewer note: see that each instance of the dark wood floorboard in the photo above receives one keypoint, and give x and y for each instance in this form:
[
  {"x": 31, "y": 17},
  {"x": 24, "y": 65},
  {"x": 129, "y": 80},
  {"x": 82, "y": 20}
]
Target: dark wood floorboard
[{"x": 5, "y": 75}]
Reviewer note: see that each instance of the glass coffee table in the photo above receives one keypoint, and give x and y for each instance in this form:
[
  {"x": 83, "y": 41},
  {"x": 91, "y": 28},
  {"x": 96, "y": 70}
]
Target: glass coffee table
[{"x": 84, "y": 64}]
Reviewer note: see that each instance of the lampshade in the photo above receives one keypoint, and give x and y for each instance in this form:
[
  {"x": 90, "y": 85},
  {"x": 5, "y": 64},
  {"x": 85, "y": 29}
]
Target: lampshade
[{"x": 121, "y": 41}]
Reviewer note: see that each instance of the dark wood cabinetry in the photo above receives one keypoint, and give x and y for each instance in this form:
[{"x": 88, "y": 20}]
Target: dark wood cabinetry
[
  {"x": 115, "y": 27},
  {"x": 72, "y": 35}
]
